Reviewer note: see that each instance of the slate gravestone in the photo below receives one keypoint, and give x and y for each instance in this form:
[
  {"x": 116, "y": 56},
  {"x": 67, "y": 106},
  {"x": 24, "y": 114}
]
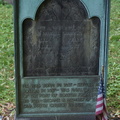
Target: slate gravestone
[
  {"x": 60, "y": 48},
  {"x": 61, "y": 41}
]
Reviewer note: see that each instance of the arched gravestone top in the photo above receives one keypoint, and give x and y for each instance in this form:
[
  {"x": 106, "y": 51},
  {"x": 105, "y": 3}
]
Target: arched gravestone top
[{"x": 61, "y": 41}]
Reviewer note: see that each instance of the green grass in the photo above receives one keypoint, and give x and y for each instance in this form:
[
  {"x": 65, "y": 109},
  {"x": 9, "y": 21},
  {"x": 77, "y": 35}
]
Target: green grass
[
  {"x": 7, "y": 56},
  {"x": 113, "y": 93}
]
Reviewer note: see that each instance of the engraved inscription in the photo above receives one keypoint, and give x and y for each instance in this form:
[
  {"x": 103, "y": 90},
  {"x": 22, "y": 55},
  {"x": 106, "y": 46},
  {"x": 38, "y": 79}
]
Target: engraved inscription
[
  {"x": 61, "y": 41},
  {"x": 61, "y": 95}
]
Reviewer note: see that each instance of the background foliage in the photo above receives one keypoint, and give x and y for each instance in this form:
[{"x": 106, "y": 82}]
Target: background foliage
[{"x": 7, "y": 93}]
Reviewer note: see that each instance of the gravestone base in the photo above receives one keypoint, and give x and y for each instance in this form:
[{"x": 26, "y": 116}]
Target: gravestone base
[{"x": 76, "y": 117}]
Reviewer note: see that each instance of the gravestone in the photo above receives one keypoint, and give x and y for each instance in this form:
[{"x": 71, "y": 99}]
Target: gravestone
[{"x": 60, "y": 50}]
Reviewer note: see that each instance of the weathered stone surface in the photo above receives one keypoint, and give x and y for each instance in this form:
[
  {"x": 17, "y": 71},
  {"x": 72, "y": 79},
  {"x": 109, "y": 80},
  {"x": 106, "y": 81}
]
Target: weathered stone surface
[
  {"x": 59, "y": 95},
  {"x": 61, "y": 41}
]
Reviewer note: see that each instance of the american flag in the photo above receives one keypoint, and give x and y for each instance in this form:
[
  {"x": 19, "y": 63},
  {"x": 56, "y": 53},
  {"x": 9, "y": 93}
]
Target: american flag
[{"x": 101, "y": 111}]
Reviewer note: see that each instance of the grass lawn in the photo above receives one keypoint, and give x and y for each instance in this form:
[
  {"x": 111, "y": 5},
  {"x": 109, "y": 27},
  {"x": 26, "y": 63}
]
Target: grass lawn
[
  {"x": 6, "y": 56},
  {"x": 113, "y": 93},
  {"x": 7, "y": 94}
]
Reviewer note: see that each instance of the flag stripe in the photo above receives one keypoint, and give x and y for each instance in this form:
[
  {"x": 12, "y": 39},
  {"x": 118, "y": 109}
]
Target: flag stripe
[
  {"x": 99, "y": 99},
  {"x": 99, "y": 102},
  {"x": 100, "y": 95},
  {"x": 100, "y": 105}
]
